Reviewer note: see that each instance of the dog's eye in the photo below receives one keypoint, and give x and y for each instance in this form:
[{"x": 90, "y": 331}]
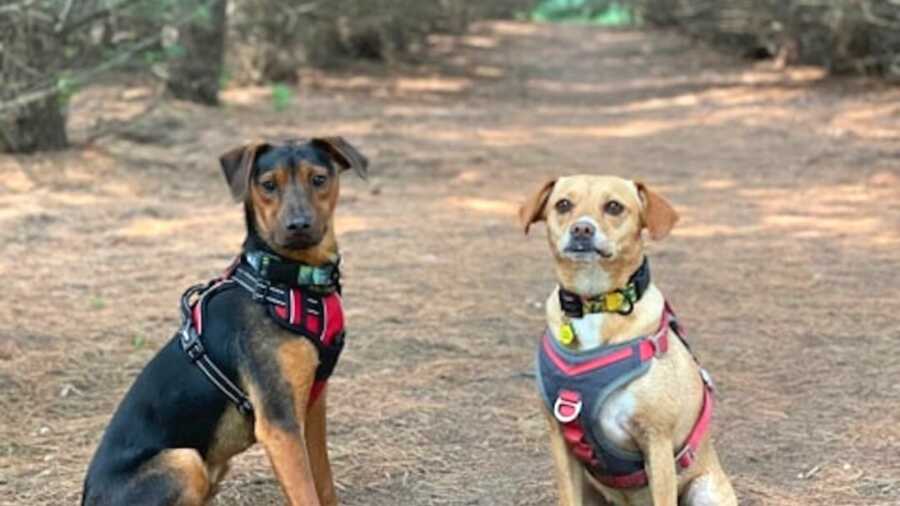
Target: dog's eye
[
  {"x": 269, "y": 186},
  {"x": 613, "y": 208},
  {"x": 319, "y": 180},
  {"x": 563, "y": 205}
]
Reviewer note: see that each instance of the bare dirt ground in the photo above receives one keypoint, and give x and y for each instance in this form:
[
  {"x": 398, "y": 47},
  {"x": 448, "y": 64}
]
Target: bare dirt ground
[{"x": 784, "y": 268}]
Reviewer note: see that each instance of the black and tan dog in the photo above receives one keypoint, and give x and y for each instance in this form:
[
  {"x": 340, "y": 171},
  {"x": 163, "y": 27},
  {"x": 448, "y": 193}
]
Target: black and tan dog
[{"x": 256, "y": 346}]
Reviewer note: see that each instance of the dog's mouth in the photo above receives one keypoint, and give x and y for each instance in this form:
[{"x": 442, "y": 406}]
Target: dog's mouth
[
  {"x": 299, "y": 241},
  {"x": 586, "y": 251}
]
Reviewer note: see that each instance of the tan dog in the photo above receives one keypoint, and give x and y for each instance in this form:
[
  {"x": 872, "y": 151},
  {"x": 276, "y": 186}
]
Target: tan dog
[{"x": 594, "y": 227}]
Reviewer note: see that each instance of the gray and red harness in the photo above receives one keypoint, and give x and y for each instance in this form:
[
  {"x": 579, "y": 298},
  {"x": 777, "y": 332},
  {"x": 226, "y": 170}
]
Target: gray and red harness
[
  {"x": 302, "y": 299},
  {"x": 576, "y": 384}
]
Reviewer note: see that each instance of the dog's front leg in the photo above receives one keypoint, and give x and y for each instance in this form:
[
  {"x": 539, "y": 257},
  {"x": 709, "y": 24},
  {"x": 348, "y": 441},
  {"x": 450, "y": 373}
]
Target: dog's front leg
[
  {"x": 569, "y": 472},
  {"x": 281, "y": 418},
  {"x": 660, "y": 467},
  {"x": 318, "y": 451}
]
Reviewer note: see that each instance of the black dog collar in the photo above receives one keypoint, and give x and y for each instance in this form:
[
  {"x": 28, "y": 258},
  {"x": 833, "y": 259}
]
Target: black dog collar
[
  {"x": 620, "y": 300},
  {"x": 275, "y": 270}
]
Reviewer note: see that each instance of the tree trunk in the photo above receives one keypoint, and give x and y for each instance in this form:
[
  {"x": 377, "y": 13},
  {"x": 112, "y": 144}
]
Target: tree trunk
[
  {"x": 39, "y": 126},
  {"x": 195, "y": 71}
]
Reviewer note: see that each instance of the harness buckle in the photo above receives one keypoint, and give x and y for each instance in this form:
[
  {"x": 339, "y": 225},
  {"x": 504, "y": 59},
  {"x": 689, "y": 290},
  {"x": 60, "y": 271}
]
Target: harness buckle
[
  {"x": 707, "y": 380},
  {"x": 686, "y": 457},
  {"x": 568, "y": 406},
  {"x": 655, "y": 343},
  {"x": 190, "y": 343},
  {"x": 195, "y": 351},
  {"x": 244, "y": 406},
  {"x": 261, "y": 291}
]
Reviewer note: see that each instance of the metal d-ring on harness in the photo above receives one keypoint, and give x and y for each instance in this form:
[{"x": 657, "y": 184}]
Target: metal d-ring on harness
[{"x": 193, "y": 347}]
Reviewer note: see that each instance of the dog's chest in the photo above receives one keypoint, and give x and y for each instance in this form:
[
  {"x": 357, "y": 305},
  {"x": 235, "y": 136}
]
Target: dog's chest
[
  {"x": 588, "y": 330},
  {"x": 616, "y": 419}
]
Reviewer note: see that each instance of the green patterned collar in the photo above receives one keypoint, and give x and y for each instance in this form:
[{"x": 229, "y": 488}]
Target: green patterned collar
[
  {"x": 619, "y": 301},
  {"x": 273, "y": 268}
]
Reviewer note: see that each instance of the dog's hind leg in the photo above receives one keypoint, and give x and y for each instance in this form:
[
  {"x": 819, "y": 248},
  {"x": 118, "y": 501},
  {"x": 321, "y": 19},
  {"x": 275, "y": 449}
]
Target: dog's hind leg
[
  {"x": 175, "y": 477},
  {"x": 570, "y": 479},
  {"x": 709, "y": 489},
  {"x": 189, "y": 471}
]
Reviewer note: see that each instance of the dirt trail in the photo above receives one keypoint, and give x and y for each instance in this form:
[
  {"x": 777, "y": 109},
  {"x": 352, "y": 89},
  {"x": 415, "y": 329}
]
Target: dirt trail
[{"x": 784, "y": 266}]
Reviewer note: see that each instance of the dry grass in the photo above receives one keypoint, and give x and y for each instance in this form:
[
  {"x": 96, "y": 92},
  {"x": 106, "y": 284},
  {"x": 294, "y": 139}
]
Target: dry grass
[{"x": 784, "y": 268}]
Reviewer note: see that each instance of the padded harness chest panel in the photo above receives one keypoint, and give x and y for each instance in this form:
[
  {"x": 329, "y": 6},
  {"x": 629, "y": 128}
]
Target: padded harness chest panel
[
  {"x": 575, "y": 385},
  {"x": 314, "y": 316},
  {"x": 593, "y": 376}
]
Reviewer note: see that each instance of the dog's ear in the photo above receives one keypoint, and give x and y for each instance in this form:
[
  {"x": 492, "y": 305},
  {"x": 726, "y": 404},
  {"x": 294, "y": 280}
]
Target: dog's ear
[
  {"x": 342, "y": 152},
  {"x": 657, "y": 214},
  {"x": 237, "y": 165},
  {"x": 532, "y": 210}
]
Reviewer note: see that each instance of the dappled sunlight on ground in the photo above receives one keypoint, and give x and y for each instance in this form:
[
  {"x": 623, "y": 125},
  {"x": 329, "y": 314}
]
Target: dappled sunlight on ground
[
  {"x": 501, "y": 207},
  {"x": 687, "y": 229},
  {"x": 155, "y": 228},
  {"x": 350, "y": 223},
  {"x": 836, "y": 212},
  {"x": 878, "y": 123},
  {"x": 432, "y": 84}
]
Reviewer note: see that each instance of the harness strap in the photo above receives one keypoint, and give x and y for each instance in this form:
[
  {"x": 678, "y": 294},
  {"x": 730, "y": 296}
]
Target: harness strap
[
  {"x": 189, "y": 338},
  {"x": 298, "y": 313},
  {"x": 688, "y": 453},
  {"x": 260, "y": 289},
  {"x": 648, "y": 347}
]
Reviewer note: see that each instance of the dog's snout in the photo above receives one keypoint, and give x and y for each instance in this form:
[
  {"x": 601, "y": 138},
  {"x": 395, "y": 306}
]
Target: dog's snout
[
  {"x": 299, "y": 223},
  {"x": 583, "y": 230}
]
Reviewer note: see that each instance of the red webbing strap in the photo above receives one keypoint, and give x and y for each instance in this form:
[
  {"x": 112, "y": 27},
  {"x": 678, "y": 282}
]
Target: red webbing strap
[
  {"x": 658, "y": 343},
  {"x": 571, "y": 369},
  {"x": 633, "y": 480},
  {"x": 197, "y": 317},
  {"x": 317, "y": 388},
  {"x": 688, "y": 452},
  {"x": 333, "y": 324},
  {"x": 298, "y": 311},
  {"x": 567, "y": 411}
]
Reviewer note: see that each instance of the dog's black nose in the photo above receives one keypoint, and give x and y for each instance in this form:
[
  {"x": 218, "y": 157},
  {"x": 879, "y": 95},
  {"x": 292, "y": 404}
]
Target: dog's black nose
[
  {"x": 583, "y": 230},
  {"x": 299, "y": 223}
]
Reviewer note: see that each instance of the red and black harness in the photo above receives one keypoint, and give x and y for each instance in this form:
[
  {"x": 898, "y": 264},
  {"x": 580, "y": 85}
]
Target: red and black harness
[
  {"x": 575, "y": 385},
  {"x": 304, "y": 300}
]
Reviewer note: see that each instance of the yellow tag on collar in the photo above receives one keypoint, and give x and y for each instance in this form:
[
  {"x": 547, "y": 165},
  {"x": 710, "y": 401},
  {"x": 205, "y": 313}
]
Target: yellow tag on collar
[
  {"x": 566, "y": 334},
  {"x": 614, "y": 301}
]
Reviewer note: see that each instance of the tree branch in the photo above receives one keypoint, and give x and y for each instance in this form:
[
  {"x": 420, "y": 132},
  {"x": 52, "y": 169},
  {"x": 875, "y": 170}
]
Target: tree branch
[
  {"x": 79, "y": 79},
  {"x": 83, "y": 77},
  {"x": 98, "y": 14}
]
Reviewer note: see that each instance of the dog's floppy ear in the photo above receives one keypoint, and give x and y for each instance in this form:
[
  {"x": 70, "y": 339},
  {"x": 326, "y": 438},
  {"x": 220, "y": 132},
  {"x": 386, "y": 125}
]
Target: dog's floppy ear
[
  {"x": 237, "y": 164},
  {"x": 657, "y": 214},
  {"x": 342, "y": 152},
  {"x": 532, "y": 210}
]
